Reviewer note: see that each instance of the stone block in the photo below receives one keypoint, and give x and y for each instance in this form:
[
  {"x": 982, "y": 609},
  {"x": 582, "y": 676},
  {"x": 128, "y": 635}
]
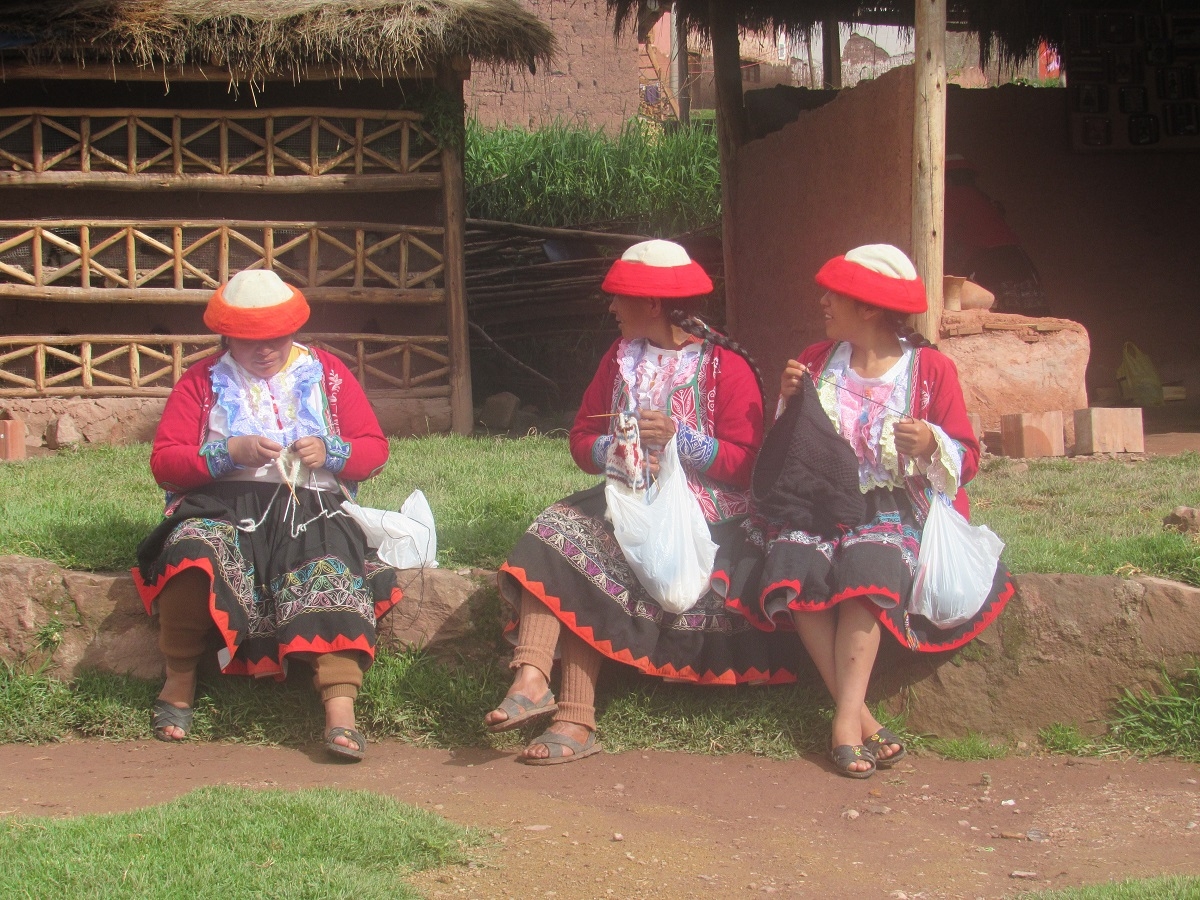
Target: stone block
[
  {"x": 63, "y": 432},
  {"x": 12, "y": 439},
  {"x": 1026, "y": 435},
  {"x": 498, "y": 411},
  {"x": 1108, "y": 430},
  {"x": 976, "y": 421}
]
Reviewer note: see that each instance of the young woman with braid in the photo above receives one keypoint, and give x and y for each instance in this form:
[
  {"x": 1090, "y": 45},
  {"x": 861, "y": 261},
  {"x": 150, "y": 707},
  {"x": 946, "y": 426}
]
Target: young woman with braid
[
  {"x": 571, "y": 590},
  {"x": 896, "y": 401}
]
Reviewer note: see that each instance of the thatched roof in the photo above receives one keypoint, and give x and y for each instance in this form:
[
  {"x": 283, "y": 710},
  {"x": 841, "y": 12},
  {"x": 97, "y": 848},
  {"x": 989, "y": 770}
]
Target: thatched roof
[
  {"x": 255, "y": 39},
  {"x": 1014, "y": 27}
]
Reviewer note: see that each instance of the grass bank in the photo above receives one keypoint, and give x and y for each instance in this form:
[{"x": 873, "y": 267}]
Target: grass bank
[
  {"x": 221, "y": 842},
  {"x": 88, "y": 509}
]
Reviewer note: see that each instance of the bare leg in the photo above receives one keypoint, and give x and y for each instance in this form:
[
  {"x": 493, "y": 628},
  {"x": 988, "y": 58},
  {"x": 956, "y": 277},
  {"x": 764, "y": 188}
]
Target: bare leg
[
  {"x": 534, "y": 657},
  {"x": 576, "y": 716},
  {"x": 818, "y": 632}
]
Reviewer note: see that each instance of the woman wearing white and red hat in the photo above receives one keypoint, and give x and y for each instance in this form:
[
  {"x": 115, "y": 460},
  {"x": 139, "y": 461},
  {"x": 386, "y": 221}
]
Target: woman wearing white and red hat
[
  {"x": 897, "y": 402},
  {"x": 255, "y": 449},
  {"x": 567, "y": 579}
]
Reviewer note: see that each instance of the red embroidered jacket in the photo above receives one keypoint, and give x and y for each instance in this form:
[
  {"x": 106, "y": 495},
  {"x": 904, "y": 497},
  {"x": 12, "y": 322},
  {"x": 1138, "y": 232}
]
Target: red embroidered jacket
[
  {"x": 721, "y": 404},
  {"x": 178, "y": 465},
  {"x": 936, "y": 397}
]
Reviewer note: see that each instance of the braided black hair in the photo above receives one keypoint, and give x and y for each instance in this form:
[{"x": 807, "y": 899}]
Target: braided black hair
[
  {"x": 904, "y": 331},
  {"x": 694, "y": 326}
]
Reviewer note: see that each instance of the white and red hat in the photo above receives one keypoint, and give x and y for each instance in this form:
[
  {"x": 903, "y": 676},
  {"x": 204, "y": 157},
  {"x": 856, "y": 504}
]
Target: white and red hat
[
  {"x": 256, "y": 305},
  {"x": 878, "y": 275},
  {"x": 656, "y": 269}
]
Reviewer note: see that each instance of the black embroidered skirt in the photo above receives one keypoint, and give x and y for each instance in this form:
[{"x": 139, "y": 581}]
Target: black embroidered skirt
[
  {"x": 771, "y": 573},
  {"x": 569, "y": 560},
  {"x": 276, "y": 589}
]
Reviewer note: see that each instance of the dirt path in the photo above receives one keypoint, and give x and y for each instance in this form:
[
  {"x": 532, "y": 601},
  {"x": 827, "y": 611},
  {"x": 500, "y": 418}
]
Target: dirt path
[{"x": 698, "y": 826}]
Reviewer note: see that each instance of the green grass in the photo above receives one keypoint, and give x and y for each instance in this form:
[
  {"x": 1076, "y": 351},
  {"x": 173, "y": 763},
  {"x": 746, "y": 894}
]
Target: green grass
[
  {"x": 224, "y": 842},
  {"x": 1093, "y": 517},
  {"x": 1167, "y": 722},
  {"x": 88, "y": 509},
  {"x": 565, "y": 175},
  {"x": 1169, "y": 887},
  {"x": 969, "y": 748}
]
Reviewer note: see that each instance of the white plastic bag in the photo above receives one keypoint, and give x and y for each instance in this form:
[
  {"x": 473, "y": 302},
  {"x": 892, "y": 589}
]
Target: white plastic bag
[
  {"x": 405, "y": 539},
  {"x": 664, "y": 535},
  {"x": 955, "y": 567}
]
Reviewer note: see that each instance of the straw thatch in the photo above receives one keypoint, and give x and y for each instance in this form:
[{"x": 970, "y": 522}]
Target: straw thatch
[
  {"x": 1013, "y": 27},
  {"x": 256, "y": 39}
]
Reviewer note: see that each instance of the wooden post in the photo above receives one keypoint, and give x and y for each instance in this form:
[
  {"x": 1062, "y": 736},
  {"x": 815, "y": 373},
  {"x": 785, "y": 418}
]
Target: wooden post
[
  {"x": 731, "y": 133},
  {"x": 929, "y": 157},
  {"x": 462, "y": 412},
  {"x": 831, "y": 54},
  {"x": 683, "y": 90}
]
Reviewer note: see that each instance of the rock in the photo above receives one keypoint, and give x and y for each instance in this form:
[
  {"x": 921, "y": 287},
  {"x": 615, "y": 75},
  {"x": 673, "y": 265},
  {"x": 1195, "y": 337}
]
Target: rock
[
  {"x": 618, "y": 837},
  {"x": 1064, "y": 650},
  {"x": 63, "y": 433},
  {"x": 1013, "y": 364},
  {"x": 1184, "y": 519},
  {"x": 498, "y": 411},
  {"x": 878, "y": 809},
  {"x": 850, "y": 814},
  {"x": 1019, "y": 874},
  {"x": 1036, "y": 835},
  {"x": 101, "y": 420},
  {"x": 441, "y": 610}
]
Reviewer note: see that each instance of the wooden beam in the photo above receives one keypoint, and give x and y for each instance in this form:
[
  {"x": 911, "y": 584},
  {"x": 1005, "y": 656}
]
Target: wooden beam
[
  {"x": 831, "y": 54},
  {"x": 92, "y": 294},
  {"x": 462, "y": 411},
  {"x": 929, "y": 157},
  {"x": 218, "y": 75},
  {"x": 731, "y": 134}
]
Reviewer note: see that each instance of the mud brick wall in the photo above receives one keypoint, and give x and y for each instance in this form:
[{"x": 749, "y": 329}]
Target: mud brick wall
[{"x": 593, "y": 80}]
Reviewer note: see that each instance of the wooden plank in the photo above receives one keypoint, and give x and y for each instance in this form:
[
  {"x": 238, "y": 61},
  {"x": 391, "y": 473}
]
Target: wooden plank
[
  {"x": 405, "y": 296},
  {"x": 929, "y": 158},
  {"x": 316, "y": 336},
  {"x": 462, "y": 414}
]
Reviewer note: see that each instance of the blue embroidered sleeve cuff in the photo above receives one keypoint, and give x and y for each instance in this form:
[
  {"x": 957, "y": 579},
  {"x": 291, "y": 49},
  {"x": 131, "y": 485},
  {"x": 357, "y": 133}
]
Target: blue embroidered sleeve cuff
[
  {"x": 696, "y": 449},
  {"x": 216, "y": 456},
  {"x": 600, "y": 451},
  {"x": 337, "y": 452}
]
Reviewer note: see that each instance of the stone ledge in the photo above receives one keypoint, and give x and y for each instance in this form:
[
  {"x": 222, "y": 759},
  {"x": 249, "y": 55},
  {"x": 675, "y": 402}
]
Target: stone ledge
[{"x": 1066, "y": 648}]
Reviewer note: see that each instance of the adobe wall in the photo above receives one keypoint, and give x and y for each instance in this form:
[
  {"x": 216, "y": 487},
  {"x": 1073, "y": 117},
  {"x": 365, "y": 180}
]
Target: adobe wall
[
  {"x": 593, "y": 80},
  {"x": 837, "y": 177}
]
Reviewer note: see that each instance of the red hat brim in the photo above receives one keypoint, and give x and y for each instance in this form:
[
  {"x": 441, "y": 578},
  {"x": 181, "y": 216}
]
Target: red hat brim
[
  {"x": 263, "y": 323},
  {"x": 635, "y": 279},
  {"x": 873, "y": 288}
]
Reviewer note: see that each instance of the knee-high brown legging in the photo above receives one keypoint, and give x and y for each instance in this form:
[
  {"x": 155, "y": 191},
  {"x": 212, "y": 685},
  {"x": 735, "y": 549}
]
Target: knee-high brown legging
[
  {"x": 184, "y": 624},
  {"x": 540, "y": 633}
]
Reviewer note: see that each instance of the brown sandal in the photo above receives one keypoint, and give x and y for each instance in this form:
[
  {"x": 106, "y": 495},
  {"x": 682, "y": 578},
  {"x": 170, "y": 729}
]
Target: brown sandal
[
  {"x": 555, "y": 743},
  {"x": 520, "y": 709}
]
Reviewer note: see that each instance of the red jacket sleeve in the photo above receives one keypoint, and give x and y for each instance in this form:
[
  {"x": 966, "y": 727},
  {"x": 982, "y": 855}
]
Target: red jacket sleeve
[
  {"x": 175, "y": 459},
  {"x": 353, "y": 420},
  {"x": 947, "y": 409},
  {"x": 737, "y": 421},
  {"x": 590, "y": 421}
]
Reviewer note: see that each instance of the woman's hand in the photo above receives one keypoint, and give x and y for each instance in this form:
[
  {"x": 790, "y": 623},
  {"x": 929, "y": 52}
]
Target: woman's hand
[
  {"x": 311, "y": 451},
  {"x": 789, "y": 381},
  {"x": 251, "y": 451},
  {"x": 652, "y": 463},
  {"x": 915, "y": 438},
  {"x": 656, "y": 428}
]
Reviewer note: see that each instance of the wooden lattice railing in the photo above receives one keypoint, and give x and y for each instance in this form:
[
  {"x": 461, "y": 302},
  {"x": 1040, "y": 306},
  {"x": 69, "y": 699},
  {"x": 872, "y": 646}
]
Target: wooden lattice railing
[
  {"x": 293, "y": 149},
  {"x": 107, "y": 261},
  {"x": 144, "y": 365}
]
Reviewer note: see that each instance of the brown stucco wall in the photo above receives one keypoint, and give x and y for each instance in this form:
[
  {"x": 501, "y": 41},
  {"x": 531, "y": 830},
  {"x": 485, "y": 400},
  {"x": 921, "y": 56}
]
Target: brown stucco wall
[
  {"x": 837, "y": 177},
  {"x": 592, "y": 81}
]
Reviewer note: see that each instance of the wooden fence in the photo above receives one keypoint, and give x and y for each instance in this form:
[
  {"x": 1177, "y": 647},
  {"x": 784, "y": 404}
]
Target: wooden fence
[
  {"x": 278, "y": 150},
  {"x": 116, "y": 365},
  {"x": 108, "y": 261}
]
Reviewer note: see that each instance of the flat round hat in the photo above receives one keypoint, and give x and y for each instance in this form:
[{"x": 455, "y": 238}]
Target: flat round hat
[
  {"x": 878, "y": 275},
  {"x": 656, "y": 269},
  {"x": 256, "y": 305}
]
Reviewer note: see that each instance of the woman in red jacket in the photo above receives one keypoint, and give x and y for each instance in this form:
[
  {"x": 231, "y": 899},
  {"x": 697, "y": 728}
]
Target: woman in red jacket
[
  {"x": 256, "y": 448},
  {"x": 897, "y": 402},
  {"x": 567, "y": 580}
]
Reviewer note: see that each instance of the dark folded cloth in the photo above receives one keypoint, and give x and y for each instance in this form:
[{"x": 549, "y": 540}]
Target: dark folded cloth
[{"x": 806, "y": 476}]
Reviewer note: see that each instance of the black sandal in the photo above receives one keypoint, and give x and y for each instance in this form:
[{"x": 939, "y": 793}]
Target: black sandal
[
  {"x": 844, "y": 756},
  {"x": 880, "y": 739},
  {"x": 166, "y": 714},
  {"x": 357, "y": 752}
]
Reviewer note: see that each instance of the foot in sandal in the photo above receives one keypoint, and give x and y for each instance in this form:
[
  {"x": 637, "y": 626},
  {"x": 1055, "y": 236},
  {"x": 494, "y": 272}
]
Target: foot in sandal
[
  {"x": 528, "y": 698},
  {"x": 342, "y": 739},
  {"x": 171, "y": 718},
  {"x": 562, "y": 742}
]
